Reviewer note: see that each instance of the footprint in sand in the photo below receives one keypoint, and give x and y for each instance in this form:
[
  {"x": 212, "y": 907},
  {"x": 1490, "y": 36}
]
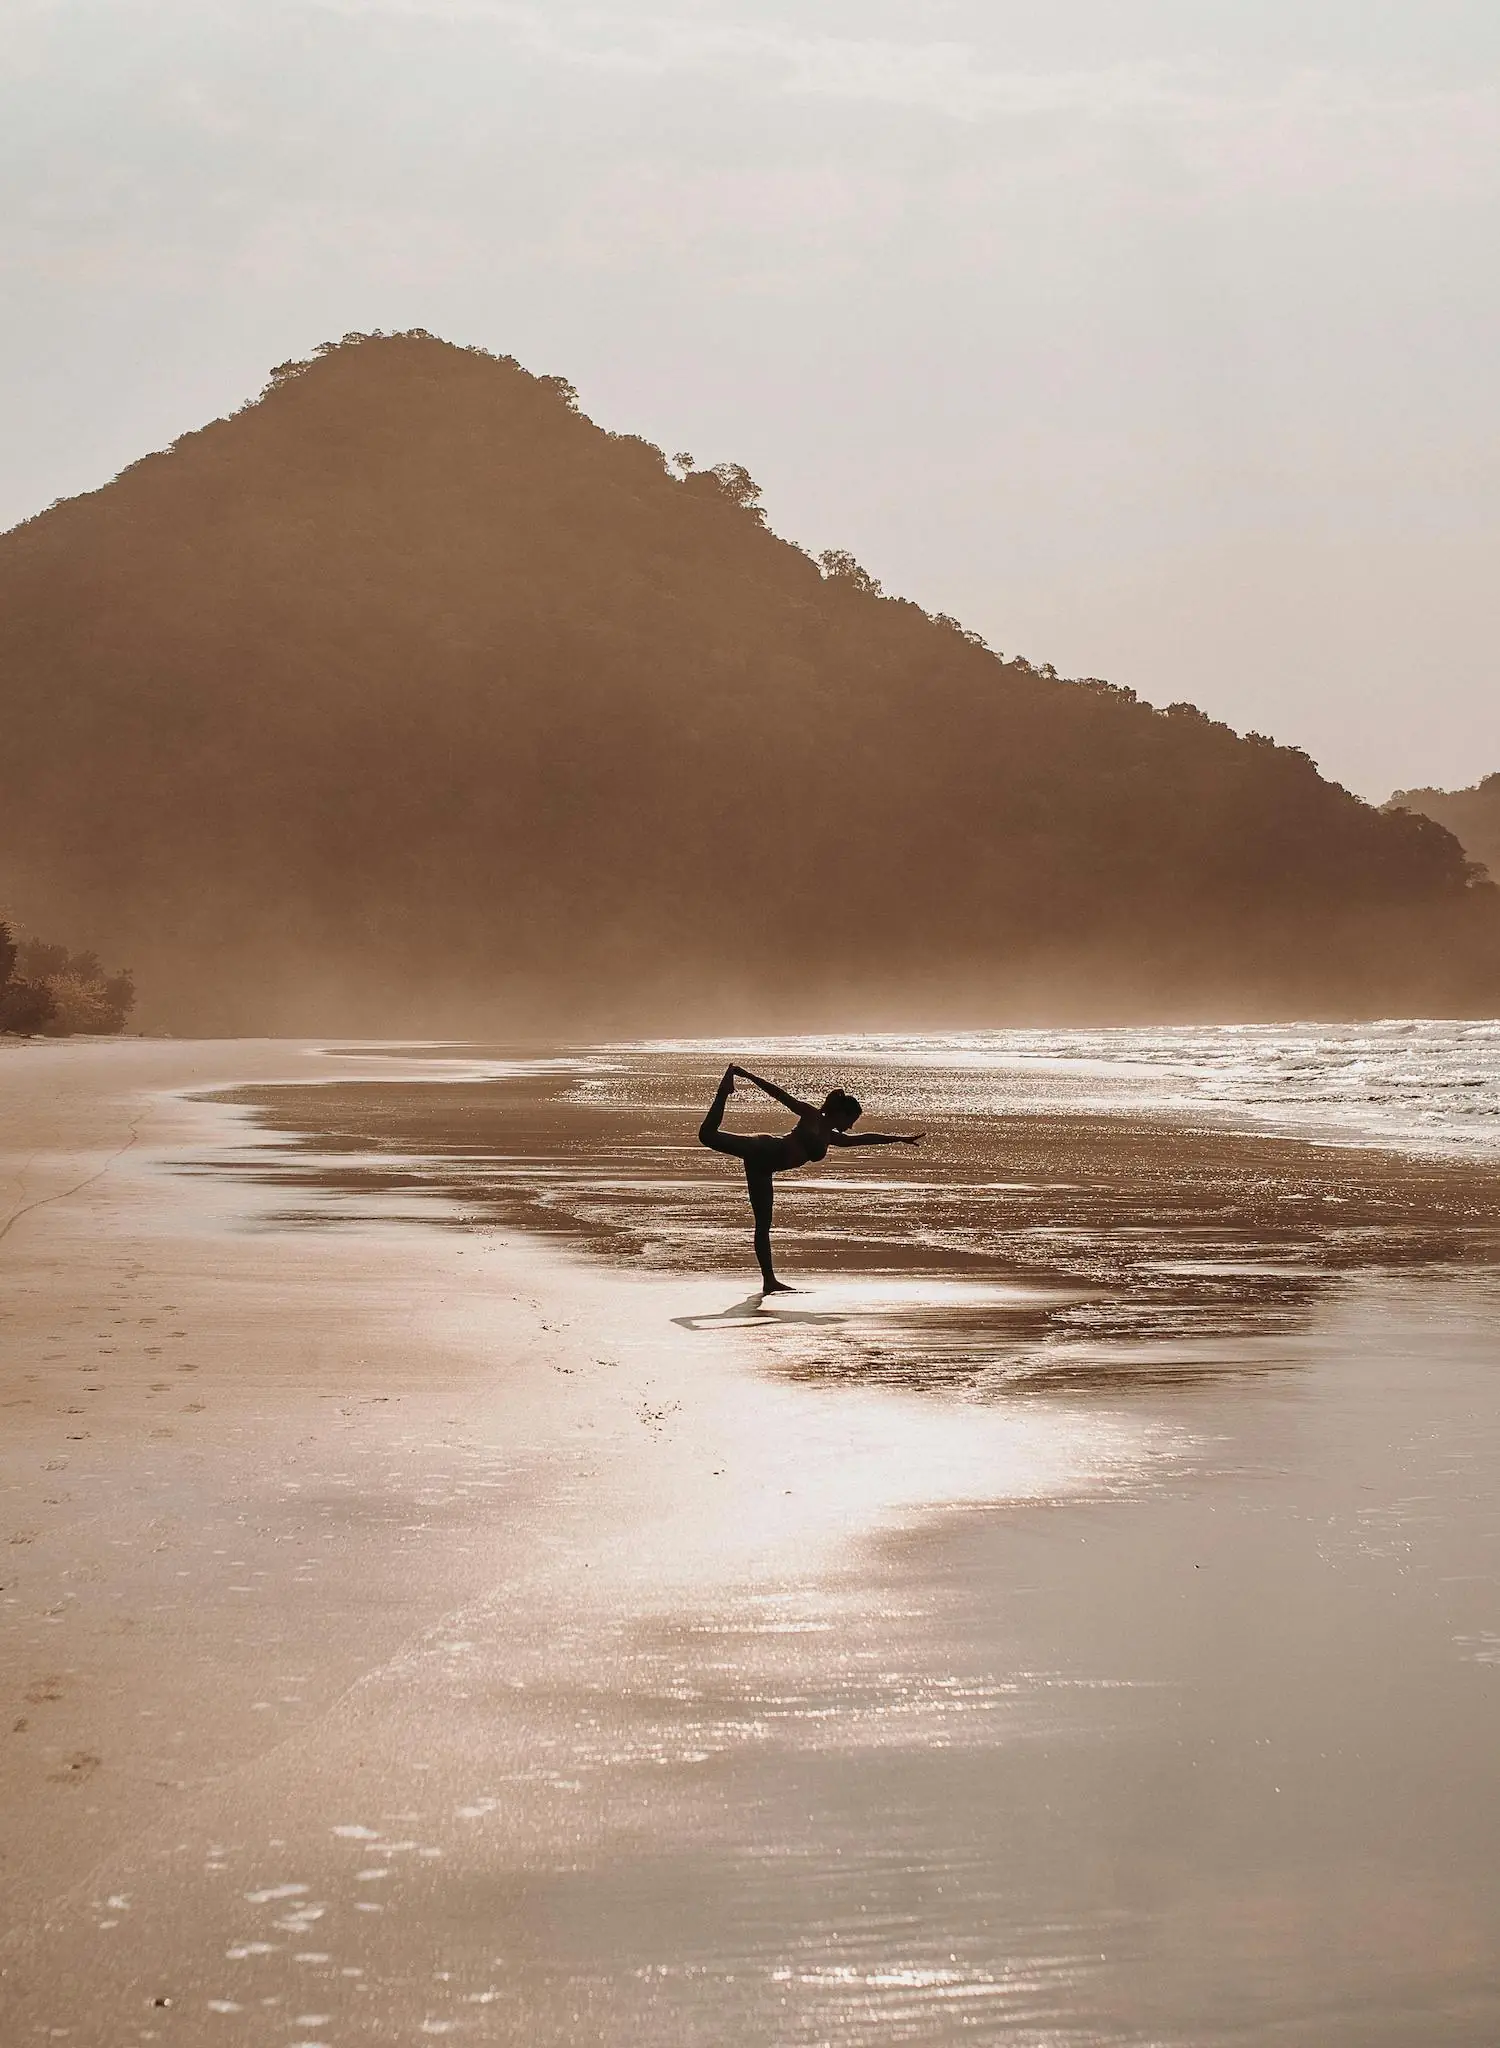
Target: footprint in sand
[{"x": 77, "y": 1768}]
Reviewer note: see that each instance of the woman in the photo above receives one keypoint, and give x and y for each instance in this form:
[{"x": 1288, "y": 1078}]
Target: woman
[{"x": 816, "y": 1130}]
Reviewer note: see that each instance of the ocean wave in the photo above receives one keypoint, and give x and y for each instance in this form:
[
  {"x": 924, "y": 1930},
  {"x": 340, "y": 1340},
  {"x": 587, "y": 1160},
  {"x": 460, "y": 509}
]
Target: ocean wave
[{"x": 1414, "y": 1084}]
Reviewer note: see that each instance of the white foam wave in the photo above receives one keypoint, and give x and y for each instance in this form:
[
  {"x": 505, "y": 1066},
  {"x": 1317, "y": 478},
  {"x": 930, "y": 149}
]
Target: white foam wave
[{"x": 1425, "y": 1085}]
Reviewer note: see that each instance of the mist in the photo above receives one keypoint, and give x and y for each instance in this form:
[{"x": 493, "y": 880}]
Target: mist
[{"x": 409, "y": 697}]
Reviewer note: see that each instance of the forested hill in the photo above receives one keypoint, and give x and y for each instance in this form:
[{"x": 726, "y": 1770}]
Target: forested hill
[
  {"x": 1471, "y": 815},
  {"x": 409, "y": 699}
]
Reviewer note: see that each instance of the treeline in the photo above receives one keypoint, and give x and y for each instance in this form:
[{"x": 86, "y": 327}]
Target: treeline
[
  {"x": 410, "y": 698},
  {"x": 1471, "y": 815},
  {"x": 47, "y": 990}
]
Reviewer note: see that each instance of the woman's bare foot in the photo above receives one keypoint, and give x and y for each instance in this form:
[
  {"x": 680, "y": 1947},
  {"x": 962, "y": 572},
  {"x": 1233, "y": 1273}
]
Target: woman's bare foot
[{"x": 776, "y": 1287}]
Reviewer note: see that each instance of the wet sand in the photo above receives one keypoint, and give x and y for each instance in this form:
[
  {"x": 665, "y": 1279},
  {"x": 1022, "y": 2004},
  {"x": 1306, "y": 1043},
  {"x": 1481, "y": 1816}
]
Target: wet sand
[{"x": 413, "y": 1631}]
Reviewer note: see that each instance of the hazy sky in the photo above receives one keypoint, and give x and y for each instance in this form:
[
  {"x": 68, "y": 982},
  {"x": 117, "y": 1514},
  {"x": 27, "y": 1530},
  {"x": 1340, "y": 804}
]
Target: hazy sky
[{"x": 1155, "y": 338}]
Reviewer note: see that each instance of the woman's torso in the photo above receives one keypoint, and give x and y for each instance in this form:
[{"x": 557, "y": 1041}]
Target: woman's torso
[{"x": 808, "y": 1143}]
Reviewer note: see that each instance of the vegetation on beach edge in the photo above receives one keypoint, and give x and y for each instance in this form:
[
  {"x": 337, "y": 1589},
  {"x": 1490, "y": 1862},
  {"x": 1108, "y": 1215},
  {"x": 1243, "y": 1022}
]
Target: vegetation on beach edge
[{"x": 47, "y": 991}]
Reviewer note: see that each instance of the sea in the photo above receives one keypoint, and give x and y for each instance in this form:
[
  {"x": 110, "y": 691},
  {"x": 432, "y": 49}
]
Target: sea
[{"x": 1419, "y": 1085}]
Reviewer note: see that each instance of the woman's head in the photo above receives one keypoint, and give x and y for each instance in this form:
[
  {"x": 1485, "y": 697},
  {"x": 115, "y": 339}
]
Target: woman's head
[{"x": 841, "y": 1109}]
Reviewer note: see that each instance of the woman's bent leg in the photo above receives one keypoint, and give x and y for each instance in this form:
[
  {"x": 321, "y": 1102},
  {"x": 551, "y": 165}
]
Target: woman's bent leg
[{"x": 709, "y": 1132}]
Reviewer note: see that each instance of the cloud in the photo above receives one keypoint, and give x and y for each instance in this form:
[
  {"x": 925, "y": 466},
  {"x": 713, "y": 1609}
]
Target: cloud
[
  {"x": 1304, "y": 127},
  {"x": 949, "y": 77}
]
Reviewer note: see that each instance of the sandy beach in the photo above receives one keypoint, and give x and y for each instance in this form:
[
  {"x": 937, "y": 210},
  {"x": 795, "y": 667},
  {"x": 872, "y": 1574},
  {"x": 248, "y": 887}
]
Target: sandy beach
[{"x": 413, "y": 1631}]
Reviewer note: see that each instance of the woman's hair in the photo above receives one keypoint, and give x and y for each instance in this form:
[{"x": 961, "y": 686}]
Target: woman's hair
[{"x": 840, "y": 1107}]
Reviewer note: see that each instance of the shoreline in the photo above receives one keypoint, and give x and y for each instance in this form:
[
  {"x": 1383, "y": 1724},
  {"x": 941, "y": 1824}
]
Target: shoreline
[{"x": 438, "y": 1630}]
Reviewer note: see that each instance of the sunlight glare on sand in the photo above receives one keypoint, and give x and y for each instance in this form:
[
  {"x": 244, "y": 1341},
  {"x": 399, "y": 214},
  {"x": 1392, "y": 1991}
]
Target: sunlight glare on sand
[
  {"x": 778, "y": 1477},
  {"x": 902, "y": 1293}
]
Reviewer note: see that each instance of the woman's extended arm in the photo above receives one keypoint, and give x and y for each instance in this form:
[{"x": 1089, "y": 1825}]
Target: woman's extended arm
[
  {"x": 874, "y": 1138},
  {"x": 780, "y": 1095}
]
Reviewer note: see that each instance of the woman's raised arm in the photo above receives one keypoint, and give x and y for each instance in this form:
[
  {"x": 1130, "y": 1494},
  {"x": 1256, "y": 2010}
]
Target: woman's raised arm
[{"x": 791, "y": 1102}]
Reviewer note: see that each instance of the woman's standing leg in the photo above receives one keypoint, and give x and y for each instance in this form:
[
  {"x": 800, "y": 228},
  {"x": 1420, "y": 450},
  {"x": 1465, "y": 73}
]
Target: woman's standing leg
[
  {"x": 758, "y": 1154},
  {"x": 762, "y": 1189}
]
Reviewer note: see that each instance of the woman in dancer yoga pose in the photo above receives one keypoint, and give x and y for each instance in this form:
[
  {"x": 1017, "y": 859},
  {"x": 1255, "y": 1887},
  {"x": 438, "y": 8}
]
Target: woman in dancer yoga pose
[{"x": 817, "y": 1129}]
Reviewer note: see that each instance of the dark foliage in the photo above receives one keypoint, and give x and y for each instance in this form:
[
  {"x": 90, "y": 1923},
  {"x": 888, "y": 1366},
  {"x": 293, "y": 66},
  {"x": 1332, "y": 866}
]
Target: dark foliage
[
  {"x": 48, "y": 989},
  {"x": 1471, "y": 815},
  {"x": 409, "y": 688},
  {"x": 27, "y": 1007}
]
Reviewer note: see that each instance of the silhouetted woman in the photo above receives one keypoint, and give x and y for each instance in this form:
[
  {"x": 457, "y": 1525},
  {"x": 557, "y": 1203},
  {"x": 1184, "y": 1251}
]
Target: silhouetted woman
[{"x": 816, "y": 1130}]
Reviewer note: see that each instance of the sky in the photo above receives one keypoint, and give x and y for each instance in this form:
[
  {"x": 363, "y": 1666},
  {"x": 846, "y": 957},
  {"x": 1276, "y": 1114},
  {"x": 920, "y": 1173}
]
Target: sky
[{"x": 1156, "y": 339}]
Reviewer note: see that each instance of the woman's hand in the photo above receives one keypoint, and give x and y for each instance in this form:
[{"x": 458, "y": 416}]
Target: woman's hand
[
  {"x": 915, "y": 1138},
  {"x": 727, "y": 1084}
]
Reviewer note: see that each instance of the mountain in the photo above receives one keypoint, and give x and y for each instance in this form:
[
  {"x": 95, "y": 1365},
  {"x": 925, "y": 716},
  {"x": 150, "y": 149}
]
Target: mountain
[
  {"x": 1471, "y": 815},
  {"x": 409, "y": 699}
]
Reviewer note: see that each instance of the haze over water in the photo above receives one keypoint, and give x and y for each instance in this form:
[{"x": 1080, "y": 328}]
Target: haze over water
[{"x": 1140, "y": 1685}]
